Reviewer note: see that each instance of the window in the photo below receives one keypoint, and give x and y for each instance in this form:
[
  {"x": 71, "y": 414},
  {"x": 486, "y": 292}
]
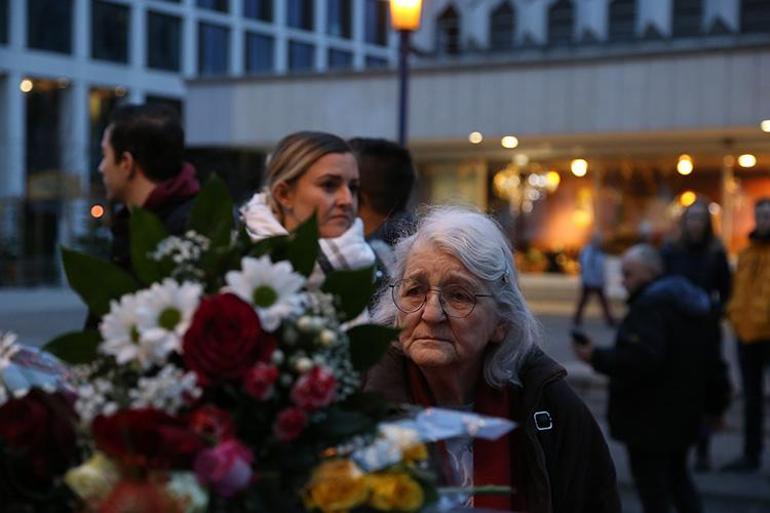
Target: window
[
  {"x": 376, "y": 22},
  {"x": 376, "y": 62},
  {"x": 164, "y": 34},
  {"x": 340, "y": 59},
  {"x": 3, "y": 22},
  {"x": 622, "y": 25},
  {"x": 755, "y": 16},
  {"x": 301, "y": 56},
  {"x": 213, "y": 46},
  {"x": 49, "y": 25},
  {"x": 109, "y": 31},
  {"x": 300, "y": 14},
  {"x": 214, "y": 5},
  {"x": 502, "y": 26},
  {"x": 338, "y": 18},
  {"x": 259, "y": 53},
  {"x": 258, "y": 9},
  {"x": 560, "y": 20},
  {"x": 687, "y": 18},
  {"x": 448, "y": 32}
]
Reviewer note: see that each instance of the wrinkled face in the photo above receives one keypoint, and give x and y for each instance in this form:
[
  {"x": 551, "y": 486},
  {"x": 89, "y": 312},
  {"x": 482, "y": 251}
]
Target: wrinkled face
[
  {"x": 762, "y": 218},
  {"x": 116, "y": 174},
  {"x": 696, "y": 221},
  {"x": 635, "y": 274},
  {"x": 329, "y": 188},
  {"x": 429, "y": 337}
]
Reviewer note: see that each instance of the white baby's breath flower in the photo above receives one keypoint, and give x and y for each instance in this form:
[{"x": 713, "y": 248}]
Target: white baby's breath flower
[
  {"x": 164, "y": 313},
  {"x": 271, "y": 287},
  {"x": 8, "y": 348},
  {"x": 169, "y": 390}
]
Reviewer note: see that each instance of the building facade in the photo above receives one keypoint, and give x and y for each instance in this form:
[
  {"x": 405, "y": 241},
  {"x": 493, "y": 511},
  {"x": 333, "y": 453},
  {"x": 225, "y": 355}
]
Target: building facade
[
  {"x": 65, "y": 64},
  {"x": 561, "y": 116}
]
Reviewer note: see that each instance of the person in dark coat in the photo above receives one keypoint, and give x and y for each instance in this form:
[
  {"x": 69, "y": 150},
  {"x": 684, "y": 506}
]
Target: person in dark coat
[
  {"x": 469, "y": 341},
  {"x": 659, "y": 371},
  {"x": 700, "y": 256},
  {"x": 142, "y": 166}
]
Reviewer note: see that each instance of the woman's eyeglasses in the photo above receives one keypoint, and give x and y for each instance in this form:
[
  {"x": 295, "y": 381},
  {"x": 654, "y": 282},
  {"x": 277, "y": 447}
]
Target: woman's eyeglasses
[{"x": 457, "y": 301}]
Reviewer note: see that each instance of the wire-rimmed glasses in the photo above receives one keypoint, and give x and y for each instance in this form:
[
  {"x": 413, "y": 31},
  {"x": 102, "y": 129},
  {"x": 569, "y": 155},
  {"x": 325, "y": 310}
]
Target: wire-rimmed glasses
[{"x": 456, "y": 300}]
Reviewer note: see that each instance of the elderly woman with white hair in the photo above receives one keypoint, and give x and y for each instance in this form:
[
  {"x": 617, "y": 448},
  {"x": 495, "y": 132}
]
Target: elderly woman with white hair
[{"x": 469, "y": 341}]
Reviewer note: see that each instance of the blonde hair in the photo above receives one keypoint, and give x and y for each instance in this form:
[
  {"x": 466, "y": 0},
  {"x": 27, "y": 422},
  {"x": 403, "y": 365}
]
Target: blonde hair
[{"x": 294, "y": 155}]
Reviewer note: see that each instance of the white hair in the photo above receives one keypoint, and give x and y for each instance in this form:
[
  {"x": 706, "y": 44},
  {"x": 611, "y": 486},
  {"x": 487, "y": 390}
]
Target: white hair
[
  {"x": 479, "y": 244},
  {"x": 646, "y": 255}
]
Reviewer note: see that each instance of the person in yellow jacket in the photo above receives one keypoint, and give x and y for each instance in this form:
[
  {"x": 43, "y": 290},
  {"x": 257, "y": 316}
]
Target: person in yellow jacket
[{"x": 749, "y": 313}]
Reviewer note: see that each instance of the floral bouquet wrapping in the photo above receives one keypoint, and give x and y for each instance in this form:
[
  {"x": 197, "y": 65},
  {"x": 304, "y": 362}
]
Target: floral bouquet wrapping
[{"x": 217, "y": 380}]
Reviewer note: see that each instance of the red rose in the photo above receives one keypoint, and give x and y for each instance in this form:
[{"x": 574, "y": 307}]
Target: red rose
[
  {"x": 211, "y": 422},
  {"x": 225, "y": 339},
  {"x": 289, "y": 424},
  {"x": 38, "y": 431},
  {"x": 258, "y": 381},
  {"x": 315, "y": 389},
  {"x": 146, "y": 438},
  {"x": 225, "y": 468}
]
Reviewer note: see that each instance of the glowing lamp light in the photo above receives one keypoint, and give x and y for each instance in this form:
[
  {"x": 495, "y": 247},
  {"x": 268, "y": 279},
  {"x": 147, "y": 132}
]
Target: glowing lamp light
[
  {"x": 405, "y": 14},
  {"x": 26, "y": 85},
  {"x": 747, "y": 160},
  {"x": 687, "y": 198},
  {"x": 509, "y": 142},
  {"x": 97, "y": 211},
  {"x": 714, "y": 208},
  {"x": 552, "y": 180},
  {"x": 684, "y": 165},
  {"x": 765, "y": 125},
  {"x": 579, "y": 167},
  {"x": 475, "y": 137}
]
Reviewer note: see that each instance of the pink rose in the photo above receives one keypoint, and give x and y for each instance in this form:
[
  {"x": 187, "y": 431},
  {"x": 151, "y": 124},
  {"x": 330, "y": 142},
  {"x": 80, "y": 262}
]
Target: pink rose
[
  {"x": 258, "y": 381},
  {"x": 315, "y": 389},
  {"x": 226, "y": 468},
  {"x": 289, "y": 424}
]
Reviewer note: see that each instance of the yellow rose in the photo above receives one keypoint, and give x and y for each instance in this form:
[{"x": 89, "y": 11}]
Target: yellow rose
[
  {"x": 416, "y": 452},
  {"x": 336, "y": 487},
  {"x": 94, "y": 479},
  {"x": 394, "y": 492}
]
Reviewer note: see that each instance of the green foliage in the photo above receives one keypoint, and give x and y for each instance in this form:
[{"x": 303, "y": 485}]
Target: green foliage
[
  {"x": 353, "y": 290},
  {"x": 212, "y": 212},
  {"x": 368, "y": 343},
  {"x": 75, "y": 347},
  {"x": 302, "y": 250},
  {"x": 147, "y": 232},
  {"x": 96, "y": 281}
]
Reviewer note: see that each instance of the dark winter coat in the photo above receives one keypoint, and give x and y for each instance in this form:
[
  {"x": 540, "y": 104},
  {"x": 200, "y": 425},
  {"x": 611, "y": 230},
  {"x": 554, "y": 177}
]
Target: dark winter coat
[
  {"x": 568, "y": 467},
  {"x": 665, "y": 373}
]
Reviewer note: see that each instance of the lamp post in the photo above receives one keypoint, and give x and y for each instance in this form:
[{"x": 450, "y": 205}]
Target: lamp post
[{"x": 405, "y": 19}]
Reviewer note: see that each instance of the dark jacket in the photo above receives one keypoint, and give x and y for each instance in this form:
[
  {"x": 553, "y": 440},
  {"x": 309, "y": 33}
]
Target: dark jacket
[
  {"x": 568, "y": 467},
  {"x": 705, "y": 265},
  {"x": 662, "y": 367}
]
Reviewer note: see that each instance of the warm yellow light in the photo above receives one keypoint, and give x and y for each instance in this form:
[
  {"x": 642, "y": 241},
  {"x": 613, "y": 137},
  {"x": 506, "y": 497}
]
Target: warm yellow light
[
  {"x": 747, "y": 160},
  {"x": 25, "y": 85},
  {"x": 475, "y": 137},
  {"x": 714, "y": 208},
  {"x": 552, "y": 180},
  {"x": 687, "y": 198},
  {"x": 684, "y": 165},
  {"x": 509, "y": 142},
  {"x": 579, "y": 167},
  {"x": 405, "y": 14},
  {"x": 581, "y": 218},
  {"x": 765, "y": 125},
  {"x": 120, "y": 91},
  {"x": 97, "y": 211}
]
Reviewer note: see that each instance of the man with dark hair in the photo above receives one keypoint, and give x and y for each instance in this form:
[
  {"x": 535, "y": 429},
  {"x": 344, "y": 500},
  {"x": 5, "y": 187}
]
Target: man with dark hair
[
  {"x": 142, "y": 166},
  {"x": 387, "y": 177},
  {"x": 749, "y": 313}
]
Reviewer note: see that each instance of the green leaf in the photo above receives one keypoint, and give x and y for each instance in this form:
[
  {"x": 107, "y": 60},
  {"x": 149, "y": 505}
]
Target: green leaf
[
  {"x": 353, "y": 288},
  {"x": 96, "y": 281},
  {"x": 302, "y": 250},
  {"x": 146, "y": 232},
  {"x": 212, "y": 212},
  {"x": 341, "y": 424},
  {"x": 76, "y": 347},
  {"x": 368, "y": 343}
]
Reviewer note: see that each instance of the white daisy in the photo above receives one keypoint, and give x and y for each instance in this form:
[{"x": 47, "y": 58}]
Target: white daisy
[
  {"x": 164, "y": 312},
  {"x": 120, "y": 332},
  {"x": 271, "y": 287}
]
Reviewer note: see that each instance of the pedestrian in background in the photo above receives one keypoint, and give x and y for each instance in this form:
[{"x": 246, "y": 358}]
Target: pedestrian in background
[
  {"x": 592, "y": 278},
  {"x": 659, "y": 372},
  {"x": 700, "y": 256},
  {"x": 749, "y": 313}
]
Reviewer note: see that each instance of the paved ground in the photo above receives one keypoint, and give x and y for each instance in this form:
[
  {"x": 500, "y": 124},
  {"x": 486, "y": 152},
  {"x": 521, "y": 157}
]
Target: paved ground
[{"x": 39, "y": 314}]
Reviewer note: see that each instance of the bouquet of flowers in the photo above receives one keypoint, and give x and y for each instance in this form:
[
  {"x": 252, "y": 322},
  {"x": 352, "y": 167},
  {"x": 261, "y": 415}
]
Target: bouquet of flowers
[{"x": 218, "y": 380}]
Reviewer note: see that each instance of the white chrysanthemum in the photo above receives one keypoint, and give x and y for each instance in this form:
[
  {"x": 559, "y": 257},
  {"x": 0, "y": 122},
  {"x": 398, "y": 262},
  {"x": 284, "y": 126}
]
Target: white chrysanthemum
[
  {"x": 271, "y": 287},
  {"x": 120, "y": 332},
  {"x": 8, "y": 348},
  {"x": 164, "y": 312}
]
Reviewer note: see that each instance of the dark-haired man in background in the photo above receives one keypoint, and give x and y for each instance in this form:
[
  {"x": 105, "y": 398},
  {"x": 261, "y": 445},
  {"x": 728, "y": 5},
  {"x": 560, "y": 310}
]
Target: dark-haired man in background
[{"x": 142, "y": 166}]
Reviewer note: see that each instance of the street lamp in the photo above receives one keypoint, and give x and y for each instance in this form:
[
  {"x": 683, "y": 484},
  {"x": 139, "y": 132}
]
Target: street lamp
[{"x": 405, "y": 19}]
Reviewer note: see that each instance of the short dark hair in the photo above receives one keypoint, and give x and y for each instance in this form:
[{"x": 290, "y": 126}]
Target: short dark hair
[
  {"x": 153, "y": 135},
  {"x": 386, "y": 172},
  {"x": 762, "y": 202}
]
